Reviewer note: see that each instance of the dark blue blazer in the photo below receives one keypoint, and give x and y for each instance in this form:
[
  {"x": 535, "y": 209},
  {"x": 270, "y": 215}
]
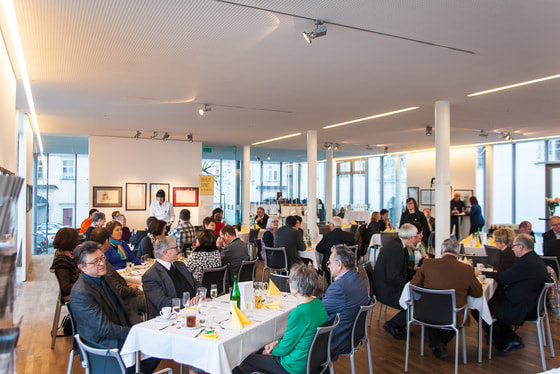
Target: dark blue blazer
[{"x": 345, "y": 296}]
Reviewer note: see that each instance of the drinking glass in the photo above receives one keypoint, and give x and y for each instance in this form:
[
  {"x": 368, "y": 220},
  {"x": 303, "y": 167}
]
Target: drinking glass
[
  {"x": 214, "y": 291},
  {"x": 186, "y": 299},
  {"x": 201, "y": 306},
  {"x": 144, "y": 259},
  {"x": 258, "y": 294},
  {"x": 176, "y": 305},
  {"x": 201, "y": 292}
]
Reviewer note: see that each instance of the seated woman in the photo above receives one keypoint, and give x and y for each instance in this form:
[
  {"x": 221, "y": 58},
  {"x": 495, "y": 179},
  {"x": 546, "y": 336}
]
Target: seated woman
[
  {"x": 205, "y": 254},
  {"x": 268, "y": 236},
  {"x": 217, "y": 214},
  {"x": 126, "y": 234},
  {"x": 119, "y": 252},
  {"x": 289, "y": 354},
  {"x": 209, "y": 223},
  {"x": 156, "y": 230},
  {"x": 64, "y": 265},
  {"x": 385, "y": 222},
  {"x": 503, "y": 239},
  {"x": 373, "y": 226}
]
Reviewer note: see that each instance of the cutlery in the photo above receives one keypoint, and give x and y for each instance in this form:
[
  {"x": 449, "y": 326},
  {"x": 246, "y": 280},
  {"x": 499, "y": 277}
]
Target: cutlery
[{"x": 200, "y": 332}]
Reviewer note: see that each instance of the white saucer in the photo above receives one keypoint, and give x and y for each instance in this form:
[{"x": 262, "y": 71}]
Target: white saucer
[{"x": 161, "y": 318}]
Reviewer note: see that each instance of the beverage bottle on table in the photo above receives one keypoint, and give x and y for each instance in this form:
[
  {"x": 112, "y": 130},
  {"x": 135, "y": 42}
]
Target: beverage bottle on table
[
  {"x": 308, "y": 239},
  {"x": 235, "y": 297}
]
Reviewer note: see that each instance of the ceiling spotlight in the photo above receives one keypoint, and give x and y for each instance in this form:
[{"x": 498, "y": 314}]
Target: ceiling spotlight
[
  {"x": 258, "y": 158},
  {"x": 165, "y": 136},
  {"x": 483, "y": 134},
  {"x": 154, "y": 136},
  {"x": 506, "y": 136},
  {"x": 206, "y": 108},
  {"x": 386, "y": 150},
  {"x": 138, "y": 133},
  {"x": 318, "y": 32},
  {"x": 268, "y": 158},
  {"x": 336, "y": 146},
  {"x": 428, "y": 130},
  {"x": 189, "y": 138}
]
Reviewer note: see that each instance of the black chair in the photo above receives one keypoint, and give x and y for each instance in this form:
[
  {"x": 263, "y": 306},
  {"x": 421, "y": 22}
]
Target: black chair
[
  {"x": 368, "y": 269},
  {"x": 215, "y": 276},
  {"x": 186, "y": 247},
  {"x": 353, "y": 229},
  {"x": 492, "y": 255},
  {"x": 253, "y": 235},
  {"x": 258, "y": 245},
  {"x": 354, "y": 249},
  {"x": 75, "y": 348},
  {"x": 387, "y": 237},
  {"x": 275, "y": 260},
  {"x": 319, "y": 355},
  {"x": 552, "y": 261},
  {"x": 281, "y": 281},
  {"x": 360, "y": 336},
  {"x": 247, "y": 271},
  {"x": 435, "y": 308},
  {"x": 324, "y": 229},
  {"x": 60, "y": 302}
]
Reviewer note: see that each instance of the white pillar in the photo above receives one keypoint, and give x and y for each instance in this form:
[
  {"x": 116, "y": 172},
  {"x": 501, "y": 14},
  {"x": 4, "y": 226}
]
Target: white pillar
[
  {"x": 489, "y": 149},
  {"x": 312, "y": 182},
  {"x": 246, "y": 184},
  {"x": 443, "y": 174},
  {"x": 329, "y": 181}
]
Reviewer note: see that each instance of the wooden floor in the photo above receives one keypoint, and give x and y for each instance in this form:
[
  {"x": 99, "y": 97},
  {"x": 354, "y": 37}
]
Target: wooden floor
[{"x": 36, "y": 301}]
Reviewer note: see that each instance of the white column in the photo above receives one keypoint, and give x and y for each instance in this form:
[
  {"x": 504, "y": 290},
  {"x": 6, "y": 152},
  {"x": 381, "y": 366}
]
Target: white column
[
  {"x": 489, "y": 149},
  {"x": 443, "y": 174},
  {"x": 329, "y": 181},
  {"x": 312, "y": 182},
  {"x": 246, "y": 182}
]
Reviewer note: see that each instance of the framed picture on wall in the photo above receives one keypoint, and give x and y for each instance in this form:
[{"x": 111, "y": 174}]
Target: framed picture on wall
[
  {"x": 465, "y": 195},
  {"x": 185, "y": 196},
  {"x": 155, "y": 187},
  {"x": 414, "y": 193},
  {"x": 428, "y": 197},
  {"x": 29, "y": 198},
  {"x": 107, "y": 197},
  {"x": 136, "y": 196}
]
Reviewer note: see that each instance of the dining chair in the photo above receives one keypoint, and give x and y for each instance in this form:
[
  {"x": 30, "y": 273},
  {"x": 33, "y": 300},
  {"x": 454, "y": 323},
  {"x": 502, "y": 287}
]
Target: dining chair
[
  {"x": 215, "y": 276},
  {"x": 552, "y": 261},
  {"x": 281, "y": 281},
  {"x": 75, "y": 348},
  {"x": 247, "y": 271},
  {"x": 319, "y": 354},
  {"x": 253, "y": 235},
  {"x": 60, "y": 302},
  {"x": 493, "y": 255},
  {"x": 435, "y": 308},
  {"x": 368, "y": 269},
  {"x": 354, "y": 249},
  {"x": 360, "y": 336},
  {"x": 275, "y": 260},
  {"x": 387, "y": 237}
]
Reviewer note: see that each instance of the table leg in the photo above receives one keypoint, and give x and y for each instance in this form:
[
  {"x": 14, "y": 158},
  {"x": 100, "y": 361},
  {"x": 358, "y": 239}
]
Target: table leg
[
  {"x": 479, "y": 337},
  {"x": 137, "y": 361}
]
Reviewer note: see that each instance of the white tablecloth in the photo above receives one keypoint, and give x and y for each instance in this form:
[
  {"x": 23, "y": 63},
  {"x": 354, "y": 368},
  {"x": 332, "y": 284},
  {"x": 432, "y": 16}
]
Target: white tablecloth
[
  {"x": 475, "y": 251},
  {"x": 313, "y": 255},
  {"x": 375, "y": 240},
  {"x": 212, "y": 356},
  {"x": 245, "y": 236},
  {"x": 357, "y": 215}
]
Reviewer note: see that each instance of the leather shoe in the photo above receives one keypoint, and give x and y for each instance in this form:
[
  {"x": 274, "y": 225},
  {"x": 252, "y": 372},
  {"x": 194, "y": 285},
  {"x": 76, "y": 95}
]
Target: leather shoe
[
  {"x": 394, "y": 330},
  {"x": 510, "y": 347},
  {"x": 439, "y": 351}
]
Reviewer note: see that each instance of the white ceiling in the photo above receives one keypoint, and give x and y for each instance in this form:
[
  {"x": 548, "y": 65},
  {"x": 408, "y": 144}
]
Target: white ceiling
[{"x": 106, "y": 67}]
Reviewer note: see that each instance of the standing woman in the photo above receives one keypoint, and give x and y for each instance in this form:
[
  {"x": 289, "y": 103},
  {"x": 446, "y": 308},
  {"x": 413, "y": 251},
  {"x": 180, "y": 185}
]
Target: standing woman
[
  {"x": 413, "y": 215},
  {"x": 64, "y": 265},
  {"x": 475, "y": 212},
  {"x": 385, "y": 222},
  {"x": 156, "y": 229},
  {"x": 119, "y": 252}
]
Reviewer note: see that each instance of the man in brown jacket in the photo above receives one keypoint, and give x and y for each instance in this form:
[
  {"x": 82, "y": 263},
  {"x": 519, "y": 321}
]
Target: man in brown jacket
[{"x": 442, "y": 274}]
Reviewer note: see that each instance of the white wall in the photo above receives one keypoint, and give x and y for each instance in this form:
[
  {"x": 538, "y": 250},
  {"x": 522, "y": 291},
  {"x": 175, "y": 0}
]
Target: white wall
[
  {"x": 8, "y": 121},
  {"x": 25, "y": 170},
  {"x": 117, "y": 161}
]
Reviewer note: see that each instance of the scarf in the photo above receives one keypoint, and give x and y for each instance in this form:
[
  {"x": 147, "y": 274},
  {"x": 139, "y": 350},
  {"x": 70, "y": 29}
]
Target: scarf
[
  {"x": 119, "y": 248},
  {"x": 152, "y": 239}
]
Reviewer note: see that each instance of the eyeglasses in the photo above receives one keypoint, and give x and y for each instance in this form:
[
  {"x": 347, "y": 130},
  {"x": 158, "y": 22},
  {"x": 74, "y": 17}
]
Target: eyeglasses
[
  {"x": 515, "y": 245},
  {"x": 176, "y": 248},
  {"x": 97, "y": 261}
]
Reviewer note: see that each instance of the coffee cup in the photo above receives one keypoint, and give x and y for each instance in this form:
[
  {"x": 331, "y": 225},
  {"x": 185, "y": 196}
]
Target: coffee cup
[{"x": 165, "y": 312}]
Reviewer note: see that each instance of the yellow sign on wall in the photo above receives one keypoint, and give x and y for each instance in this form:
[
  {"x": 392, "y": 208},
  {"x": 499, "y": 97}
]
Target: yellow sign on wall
[{"x": 206, "y": 185}]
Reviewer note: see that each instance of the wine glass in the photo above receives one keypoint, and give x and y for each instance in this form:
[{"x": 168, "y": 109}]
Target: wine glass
[
  {"x": 186, "y": 299},
  {"x": 214, "y": 291},
  {"x": 176, "y": 305}
]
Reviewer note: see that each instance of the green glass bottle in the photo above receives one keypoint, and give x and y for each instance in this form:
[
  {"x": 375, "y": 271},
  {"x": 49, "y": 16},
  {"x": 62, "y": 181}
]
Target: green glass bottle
[{"x": 235, "y": 297}]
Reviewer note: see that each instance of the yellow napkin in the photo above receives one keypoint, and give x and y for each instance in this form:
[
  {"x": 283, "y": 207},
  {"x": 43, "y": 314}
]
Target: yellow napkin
[
  {"x": 243, "y": 229},
  {"x": 191, "y": 308},
  {"x": 272, "y": 289},
  {"x": 274, "y": 305},
  {"x": 209, "y": 335},
  {"x": 238, "y": 319},
  {"x": 492, "y": 242},
  {"x": 344, "y": 225},
  {"x": 354, "y": 222},
  {"x": 467, "y": 240},
  {"x": 477, "y": 245}
]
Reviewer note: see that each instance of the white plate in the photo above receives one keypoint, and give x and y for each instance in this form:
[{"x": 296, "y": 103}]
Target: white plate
[{"x": 162, "y": 319}]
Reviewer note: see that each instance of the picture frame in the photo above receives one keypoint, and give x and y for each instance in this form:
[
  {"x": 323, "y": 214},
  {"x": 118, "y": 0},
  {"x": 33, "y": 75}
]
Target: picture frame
[
  {"x": 428, "y": 197},
  {"x": 107, "y": 197},
  {"x": 414, "y": 192},
  {"x": 136, "y": 196},
  {"x": 29, "y": 198},
  {"x": 155, "y": 187},
  {"x": 185, "y": 196},
  {"x": 465, "y": 195}
]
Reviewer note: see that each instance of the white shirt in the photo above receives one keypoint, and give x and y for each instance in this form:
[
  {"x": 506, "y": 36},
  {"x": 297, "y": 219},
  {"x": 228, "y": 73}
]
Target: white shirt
[
  {"x": 163, "y": 211},
  {"x": 165, "y": 264}
]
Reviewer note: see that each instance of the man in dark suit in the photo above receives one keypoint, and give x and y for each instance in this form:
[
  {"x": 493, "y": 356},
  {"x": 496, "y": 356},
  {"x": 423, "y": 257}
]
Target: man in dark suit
[
  {"x": 234, "y": 251},
  {"x": 167, "y": 278},
  {"x": 99, "y": 313},
  {"x": 431, "y": 220},
  {"x": 261, "y": 219},
  {"x": 345, "y": 296},
  {"x": 517, "y": 300},
  {"x": 335, "y": 237},
  {"x": 390, "y": 275},
  {"x": 447, "y": 273},
  {"x": 554, "y": 232},
  {"x": 457, "y": 206},
  {"x": 290, "y": 238}
]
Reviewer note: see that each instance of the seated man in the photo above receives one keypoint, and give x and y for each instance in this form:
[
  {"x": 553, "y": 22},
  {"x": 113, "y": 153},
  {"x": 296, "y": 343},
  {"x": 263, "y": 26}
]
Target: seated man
[
  {"x": 100, "y": 315},
  {"x": 447, "y": 273},
  {"x": 290, "y": 238},
  {"x": 98, "y": 220},
  {"x": 345, "y": 296},
  {"x": 184, "y": 233},
  {"x": 517, "y": 300},
  {"x": 132, "y": 296},
  {"x": 167, "y": 278},
  {"x": 525, "y": 227},
  {"x": 390, "y": 275},
  {"x": 234, "y": 251},
  {"x": 335, "y": 237},
  {"x": 554, "y": 232},
  {"x": 137, "y": 237}
]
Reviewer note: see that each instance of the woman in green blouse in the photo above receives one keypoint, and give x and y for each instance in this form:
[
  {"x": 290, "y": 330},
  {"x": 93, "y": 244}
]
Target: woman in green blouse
[{"x": 289, "y": 354}]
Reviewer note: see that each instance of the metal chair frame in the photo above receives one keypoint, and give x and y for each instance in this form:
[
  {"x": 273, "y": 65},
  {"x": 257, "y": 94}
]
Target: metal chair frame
[
  {"x": 368, "y": 269},
  {"x": 244, "y": 265},
  {"x": 270, "y": 269},
  {"x": 281, "y": 281},
  {"x": 223, "y": 270},
  {"x": 327, "y": 328},
  {"x": 360, "y": 337}
]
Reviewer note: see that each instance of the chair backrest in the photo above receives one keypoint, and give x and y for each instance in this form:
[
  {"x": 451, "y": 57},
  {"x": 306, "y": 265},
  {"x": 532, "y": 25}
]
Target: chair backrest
[
  {"x": 492, "y": 255},
  {"x": 433, "y": 307},
  {"x": 431, "y": 243},
  {"x": 552, "y": 261},
  {"x": 354, "y": 248},
  {"x": 387, "y": 237},
  {"x": 215, "y": 276},
  {"x": 253, "y": 235},
  {"x": 541, "y": 306},
  {"x": 281, "y": 281},
  {"x": 368, "y": 269},
  {"x": 319, "y": 355},
  {"x": 107, "y": 361},
  {"x": 324, "y": 229},
  {"x": 353, "y": 229},
  {"x": 275, "y": 258},
  {"x": 186, "y": 247},
  {"x": 359, "y": 330},
  {"x": 247, "y": 271}
]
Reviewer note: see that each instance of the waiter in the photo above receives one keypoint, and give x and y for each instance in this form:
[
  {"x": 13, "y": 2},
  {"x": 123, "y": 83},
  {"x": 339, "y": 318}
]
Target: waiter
[{"x": 162, "y": 210}]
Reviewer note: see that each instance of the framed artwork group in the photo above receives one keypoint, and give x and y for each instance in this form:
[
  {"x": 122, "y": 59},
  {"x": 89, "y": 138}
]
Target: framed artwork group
[{"x": 136, "y": 195}]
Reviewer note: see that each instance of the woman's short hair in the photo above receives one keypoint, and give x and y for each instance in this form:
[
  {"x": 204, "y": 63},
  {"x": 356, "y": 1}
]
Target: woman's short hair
[
  {"x": 112, "y": 225},
  {"x": 473, "y": 200},
  {"x": 208, "y": 220},
  {"x": 303, "y": 279},
  {"x": 375, "y": 216},
  {"x": 271, "y": 219},
  {"x": 407, "y": 231},
  {"x": 66, "y": 239},
  {"x": 156, "y": 227},
  {"x": 504, "y": 236},
  {"x": 206, "y": 238}
]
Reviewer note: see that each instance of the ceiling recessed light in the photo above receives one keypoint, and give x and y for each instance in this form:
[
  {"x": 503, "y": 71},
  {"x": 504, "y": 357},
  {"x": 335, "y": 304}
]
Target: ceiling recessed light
[
  {"x": 371, "y": 117},
  {"x": 515, "y": 85},
  {"x": 278, "y": 138}
]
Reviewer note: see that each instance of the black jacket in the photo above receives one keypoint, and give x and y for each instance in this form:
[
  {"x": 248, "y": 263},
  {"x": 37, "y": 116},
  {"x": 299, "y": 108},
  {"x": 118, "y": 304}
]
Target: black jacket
[
  {"x": 390, "y": 273},
  {"x": 336, "y": 236}
]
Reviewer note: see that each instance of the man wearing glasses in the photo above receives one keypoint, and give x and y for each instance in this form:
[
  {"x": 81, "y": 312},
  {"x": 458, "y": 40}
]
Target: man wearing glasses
[
  {"x": 551, "y": 238},
  {"x": 99, "y": 312}
]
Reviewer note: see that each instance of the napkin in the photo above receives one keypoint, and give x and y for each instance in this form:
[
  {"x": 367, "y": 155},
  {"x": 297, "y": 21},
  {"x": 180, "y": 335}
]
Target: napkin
[
  {"x": 272, "y": 289},
  {"x": 477, "y": 245},
  {"x": 492, "y": 242},
  {"x": 354, "y": 222},
  {"x": 273, "y": 305},
  {"x": 344, "y": 225},
  {"x": 243, "y": 229},
  {"x": 238, "y": 319},
  {"x": 246, "y": 293},
  {"x": 209, "y": 335},
  {"x": 467, "y": 240}
]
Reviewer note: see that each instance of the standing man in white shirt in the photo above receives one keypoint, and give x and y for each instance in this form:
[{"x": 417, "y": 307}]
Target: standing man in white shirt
[{"x": 162, "y": 209}]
